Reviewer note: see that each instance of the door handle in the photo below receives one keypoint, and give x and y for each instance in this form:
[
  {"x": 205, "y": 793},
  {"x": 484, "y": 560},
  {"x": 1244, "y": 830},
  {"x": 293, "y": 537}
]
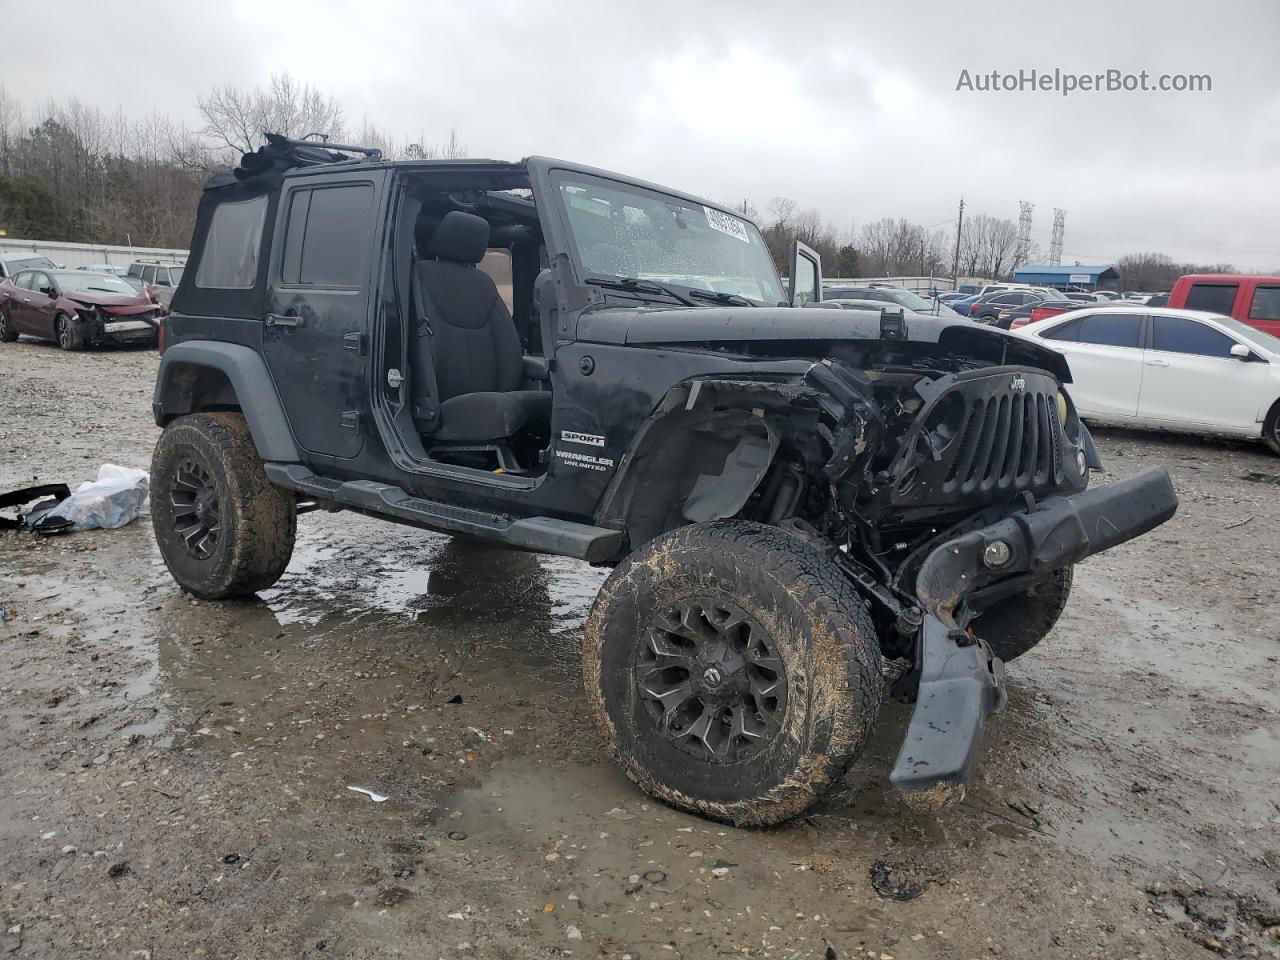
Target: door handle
[
  {"x": 26, "y": 299},
  {"x": 284, "y": 320},
  {"x": 1157, "y": 363}
]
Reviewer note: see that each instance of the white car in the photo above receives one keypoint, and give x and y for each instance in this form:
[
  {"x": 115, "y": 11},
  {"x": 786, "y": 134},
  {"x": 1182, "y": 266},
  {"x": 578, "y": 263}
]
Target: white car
[{"x": 1171, "y": 369}]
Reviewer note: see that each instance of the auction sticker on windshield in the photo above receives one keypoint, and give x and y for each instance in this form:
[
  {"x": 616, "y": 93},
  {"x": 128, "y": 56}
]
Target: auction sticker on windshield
[{"x": 727, "y": 224}]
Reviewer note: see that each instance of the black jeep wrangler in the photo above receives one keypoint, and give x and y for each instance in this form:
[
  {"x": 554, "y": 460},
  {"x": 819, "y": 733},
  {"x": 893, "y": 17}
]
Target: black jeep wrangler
[{"x": 795, "y": 501}]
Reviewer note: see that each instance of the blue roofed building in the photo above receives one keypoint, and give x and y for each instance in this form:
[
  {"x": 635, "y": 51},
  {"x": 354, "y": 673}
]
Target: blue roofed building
[{"x": 1102, "y": 277}]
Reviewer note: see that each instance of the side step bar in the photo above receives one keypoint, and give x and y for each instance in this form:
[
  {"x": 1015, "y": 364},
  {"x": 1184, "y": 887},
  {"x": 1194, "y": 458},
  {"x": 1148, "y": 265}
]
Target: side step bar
[{"x": 540, "y": 534}]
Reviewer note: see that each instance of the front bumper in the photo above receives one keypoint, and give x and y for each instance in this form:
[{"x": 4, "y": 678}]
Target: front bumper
[{"x": 961, "y": 683}]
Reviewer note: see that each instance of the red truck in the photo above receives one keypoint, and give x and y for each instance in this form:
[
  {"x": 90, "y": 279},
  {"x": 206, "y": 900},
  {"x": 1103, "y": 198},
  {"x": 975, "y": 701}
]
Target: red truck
[{"x": 1254, "y": 300}]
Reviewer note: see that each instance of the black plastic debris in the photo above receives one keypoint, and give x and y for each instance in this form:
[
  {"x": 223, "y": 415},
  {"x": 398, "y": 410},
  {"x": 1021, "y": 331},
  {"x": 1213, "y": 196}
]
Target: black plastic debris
[
  {"x": 54, "y": 492},
  {"x": 231, "y": 858},
  {"x": 117, "y": 870},
  {"x": 456, "y": 698},
  {"x": 885, "y": 887},
  {"x": 456, "y": 835}
]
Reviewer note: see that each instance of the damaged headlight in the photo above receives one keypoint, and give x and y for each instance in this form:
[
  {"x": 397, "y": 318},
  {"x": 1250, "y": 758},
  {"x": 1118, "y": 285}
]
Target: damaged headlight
[{"x": 88, "y": 314}]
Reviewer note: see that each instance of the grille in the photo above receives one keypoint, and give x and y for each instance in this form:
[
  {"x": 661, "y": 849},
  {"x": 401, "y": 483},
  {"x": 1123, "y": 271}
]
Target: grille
[{"x": 1010, "y": 442}]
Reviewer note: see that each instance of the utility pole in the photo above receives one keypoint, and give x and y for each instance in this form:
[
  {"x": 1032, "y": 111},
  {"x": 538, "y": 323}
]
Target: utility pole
[{"x": 955, "y": 263}]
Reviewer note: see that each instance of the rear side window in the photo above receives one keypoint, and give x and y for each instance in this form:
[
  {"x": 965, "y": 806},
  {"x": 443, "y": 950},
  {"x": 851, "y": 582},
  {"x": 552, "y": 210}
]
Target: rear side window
[
  {"x": 135, "y": 269},
  {"x": 1101, "y": 329},
  {"x": 1111, "y": 329},
  {"x": 1181, "y": 335},
  {"x": 1214, "y": 297},
  {"x": 1067, "y": 331},
  {"x": 327, "y": 240},
  {"x": 229, "y": 260},
  {"x": 148, "y": 274},
  {"x": 1266, "y": 304}
]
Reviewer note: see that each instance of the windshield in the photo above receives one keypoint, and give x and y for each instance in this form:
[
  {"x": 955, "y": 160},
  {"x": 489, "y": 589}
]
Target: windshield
[
  {"x": 1264, "y": 340},
  {"x": 913, "y": 301},
  {"x": 30, "y": 263},
  {"x": 619, "y": 230},
  {"x": 85, "y": 282}
]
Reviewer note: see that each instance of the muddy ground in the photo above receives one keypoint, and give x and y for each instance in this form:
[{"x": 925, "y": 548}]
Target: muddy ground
[{"x": 174, "y": 775}]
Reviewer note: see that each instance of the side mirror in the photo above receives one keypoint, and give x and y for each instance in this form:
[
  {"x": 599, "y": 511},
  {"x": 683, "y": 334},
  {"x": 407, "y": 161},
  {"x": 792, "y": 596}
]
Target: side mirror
[
  {"x": 49, "y": 291},
  {"x": 1240, "y": 351}
]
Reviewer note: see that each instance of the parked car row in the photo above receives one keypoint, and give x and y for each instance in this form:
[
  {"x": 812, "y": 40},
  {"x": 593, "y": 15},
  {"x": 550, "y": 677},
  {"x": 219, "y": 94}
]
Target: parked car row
[{"x": 1170, "y": 368}]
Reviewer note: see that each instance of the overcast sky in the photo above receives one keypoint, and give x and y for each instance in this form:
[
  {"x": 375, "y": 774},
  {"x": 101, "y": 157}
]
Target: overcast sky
[{"x": 848, "y": 107}]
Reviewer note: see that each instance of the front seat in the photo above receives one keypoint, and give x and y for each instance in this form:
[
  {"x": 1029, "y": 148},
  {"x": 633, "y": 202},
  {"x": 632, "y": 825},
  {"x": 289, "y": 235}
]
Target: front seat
[{"x": 475, "y": 351}]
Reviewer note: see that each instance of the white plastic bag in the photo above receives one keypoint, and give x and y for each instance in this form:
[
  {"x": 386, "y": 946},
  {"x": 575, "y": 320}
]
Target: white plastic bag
[{"x": 111, "y": 501}]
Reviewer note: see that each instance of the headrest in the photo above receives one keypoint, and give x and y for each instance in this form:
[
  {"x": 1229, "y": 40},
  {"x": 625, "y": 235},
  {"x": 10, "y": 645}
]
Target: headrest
[{"x": 461, "y": 237}]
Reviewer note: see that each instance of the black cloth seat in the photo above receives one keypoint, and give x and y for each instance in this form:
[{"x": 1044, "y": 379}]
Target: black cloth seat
[
  {"x": 487, "y": 417},
  {"x": 472, "y": 342}
]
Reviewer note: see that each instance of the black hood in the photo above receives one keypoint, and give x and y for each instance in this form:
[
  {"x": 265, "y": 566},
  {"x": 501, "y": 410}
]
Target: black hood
[{"x": 690, "y": 325}]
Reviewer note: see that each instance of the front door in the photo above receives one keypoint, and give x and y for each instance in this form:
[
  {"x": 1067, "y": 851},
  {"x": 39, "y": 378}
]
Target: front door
[
  {"x": 316, "y": 333},
  {"x": 36, "y": 316}
]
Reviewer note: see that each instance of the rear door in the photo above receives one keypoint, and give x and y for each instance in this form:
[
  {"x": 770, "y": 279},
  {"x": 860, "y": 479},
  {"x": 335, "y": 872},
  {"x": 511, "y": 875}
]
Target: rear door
[
  {"x": 1264, "y": 308},
  {"x": 20, "y": 301},
  {"x": 1190, "y": 376},
  {"x": 1105, "y": 354},
  {"x": 316, "y": 333},
  {"x": 1215, "y": 297}
]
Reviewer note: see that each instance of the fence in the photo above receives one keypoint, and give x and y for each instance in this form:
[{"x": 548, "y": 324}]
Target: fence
[{"x": 73, "y": 255}]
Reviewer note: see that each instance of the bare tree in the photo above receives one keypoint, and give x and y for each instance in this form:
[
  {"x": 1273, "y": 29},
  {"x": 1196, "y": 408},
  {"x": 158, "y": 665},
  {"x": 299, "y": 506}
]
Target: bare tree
[{"x": 236, "y": 118}]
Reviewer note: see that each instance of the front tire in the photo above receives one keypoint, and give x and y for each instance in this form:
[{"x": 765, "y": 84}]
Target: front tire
[
  {"x": 734, "y": 671},
  {"x": 1016, "y": 624},
  {"x": 224, "y": 530},
  {"x": 7, "y": 333},
  {"x": 68, "y": 333},
  {"x": 1271, "y": 428}
]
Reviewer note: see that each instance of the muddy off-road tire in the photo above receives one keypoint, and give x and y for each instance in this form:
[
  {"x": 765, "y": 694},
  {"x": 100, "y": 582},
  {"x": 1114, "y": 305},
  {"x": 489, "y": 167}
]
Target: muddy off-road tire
[
  {"x": 733, "y": 670},
  {"x": 223, "y": 529},
  {"x": 1016, "y": 624}
]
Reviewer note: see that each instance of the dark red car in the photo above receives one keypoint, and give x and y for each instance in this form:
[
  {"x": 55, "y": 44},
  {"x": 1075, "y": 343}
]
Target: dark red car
[{"x": 76, "y": 308}]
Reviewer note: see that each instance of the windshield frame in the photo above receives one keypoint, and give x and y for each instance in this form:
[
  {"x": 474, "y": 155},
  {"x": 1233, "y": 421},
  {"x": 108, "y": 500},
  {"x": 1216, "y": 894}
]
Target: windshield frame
[{"x": 558, "y": 174}]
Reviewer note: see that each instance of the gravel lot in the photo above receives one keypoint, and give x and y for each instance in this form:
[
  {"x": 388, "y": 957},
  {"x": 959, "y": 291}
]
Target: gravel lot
[{"x": 174, "y": 775}]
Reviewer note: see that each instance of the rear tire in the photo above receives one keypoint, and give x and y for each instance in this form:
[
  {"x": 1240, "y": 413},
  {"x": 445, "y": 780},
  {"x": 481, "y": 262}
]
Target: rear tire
[
  {"x": 7, "y": 333},
  {"x": 682, "y": 657},
  {"x": 1016, "y": 624},
  {"x": 224, "y": 530},
  {"x": 1271, "y": 428}
]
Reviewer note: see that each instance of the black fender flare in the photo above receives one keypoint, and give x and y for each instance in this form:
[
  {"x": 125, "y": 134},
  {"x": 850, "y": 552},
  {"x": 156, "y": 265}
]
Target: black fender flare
[
  {"x": 254, "y": 392},
  {"x": 688, "y": 464}
]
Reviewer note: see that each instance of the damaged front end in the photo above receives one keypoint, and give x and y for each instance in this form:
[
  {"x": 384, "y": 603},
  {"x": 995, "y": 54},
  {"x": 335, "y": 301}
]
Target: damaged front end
[
  {"x": 959, "y": 681},
  {"x": 956, "y": 490}
]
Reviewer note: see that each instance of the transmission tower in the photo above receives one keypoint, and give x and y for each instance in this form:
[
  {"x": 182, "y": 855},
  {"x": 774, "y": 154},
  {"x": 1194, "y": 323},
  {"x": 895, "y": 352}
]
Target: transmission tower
[
  {"x": 1055, "y": 242},
  {"x": 1023, "y": 249}
]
